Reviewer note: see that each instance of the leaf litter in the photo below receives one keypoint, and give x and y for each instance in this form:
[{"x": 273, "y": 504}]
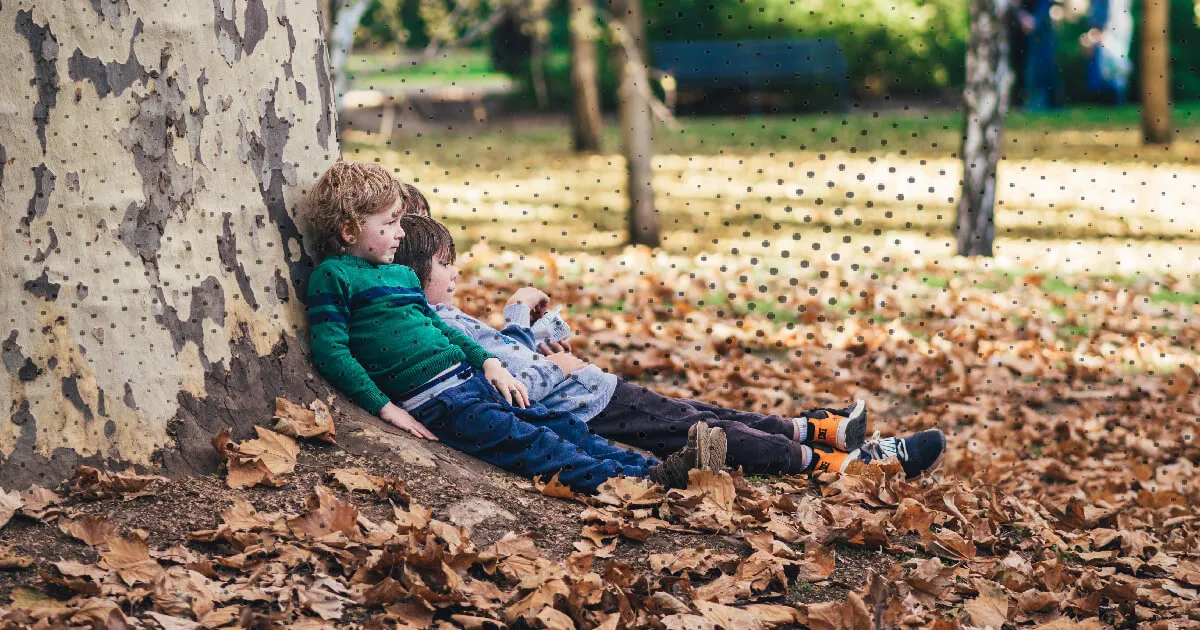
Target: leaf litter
[{"x": 1067, "y": 498}]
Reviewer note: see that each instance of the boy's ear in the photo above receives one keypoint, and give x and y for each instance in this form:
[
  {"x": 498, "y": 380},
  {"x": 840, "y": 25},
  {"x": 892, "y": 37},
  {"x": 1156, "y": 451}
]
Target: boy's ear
[{"x": 349, "y": 232}]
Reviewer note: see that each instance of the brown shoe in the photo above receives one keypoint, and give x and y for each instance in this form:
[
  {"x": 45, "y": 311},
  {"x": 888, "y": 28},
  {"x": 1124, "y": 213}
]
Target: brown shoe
[{"x": 673, "y": 471}]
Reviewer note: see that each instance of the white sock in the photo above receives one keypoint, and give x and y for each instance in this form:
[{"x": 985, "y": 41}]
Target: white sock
[
  {"x": 801, "y": 428},
  {"x": 808, "y": 456}
]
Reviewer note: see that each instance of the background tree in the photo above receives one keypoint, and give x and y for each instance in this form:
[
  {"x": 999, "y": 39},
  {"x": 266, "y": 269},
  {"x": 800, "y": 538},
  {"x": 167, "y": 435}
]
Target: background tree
[
  {"x": 587, "y": 127},
  {"x": 1156, "y": 73},
  {"x": 985, "y": 96},
  {"x": 153, "y": 266},
  {"x": 627, "y": 28}
]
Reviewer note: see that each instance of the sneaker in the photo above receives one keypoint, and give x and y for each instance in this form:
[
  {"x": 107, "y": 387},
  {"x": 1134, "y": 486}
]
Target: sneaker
[
  {"x": 711, "y": 447},
  {"x": 672, "y": 472},
  {"x": 918, "y": 453},
  {"x": 842, "y": 429}
]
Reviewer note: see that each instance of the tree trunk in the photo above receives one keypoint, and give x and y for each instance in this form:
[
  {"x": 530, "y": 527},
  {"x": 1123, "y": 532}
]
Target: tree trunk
[
  {"x": 341, "y": 42},
  {"x": 637, "y": 139},
  {"x": 151, "y": 162},
  {"x": 986, "y": 96},
  {"x": 1156, "y": 73},
  {"x": 587, "y": 129}
]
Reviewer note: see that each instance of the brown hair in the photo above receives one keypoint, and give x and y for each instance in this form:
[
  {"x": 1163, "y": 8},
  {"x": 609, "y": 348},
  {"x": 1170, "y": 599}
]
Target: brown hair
[
  {"x": 350, "y": 192},
  {"x": 424, "y": 240},
  {"x": 417, "y": 203}
]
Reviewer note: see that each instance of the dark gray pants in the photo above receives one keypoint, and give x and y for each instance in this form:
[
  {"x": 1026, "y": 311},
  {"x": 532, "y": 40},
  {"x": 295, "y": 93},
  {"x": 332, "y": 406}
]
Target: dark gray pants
[{"x": 760, "y": 444}]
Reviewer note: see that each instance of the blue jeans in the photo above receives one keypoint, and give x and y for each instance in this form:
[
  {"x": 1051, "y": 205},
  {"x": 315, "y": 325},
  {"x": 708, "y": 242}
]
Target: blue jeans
[{"x": 474, "y": 419}]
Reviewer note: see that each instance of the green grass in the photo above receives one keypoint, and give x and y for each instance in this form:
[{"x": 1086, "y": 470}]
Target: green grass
[
  {"x": 937, "y": 282},
  {"x": 1172, "y": 297},
  {"x": 382, "y": 70}
]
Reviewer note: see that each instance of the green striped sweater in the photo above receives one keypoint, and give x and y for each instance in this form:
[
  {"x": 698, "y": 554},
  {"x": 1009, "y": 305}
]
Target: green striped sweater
[{"x": 373, "y": 334}]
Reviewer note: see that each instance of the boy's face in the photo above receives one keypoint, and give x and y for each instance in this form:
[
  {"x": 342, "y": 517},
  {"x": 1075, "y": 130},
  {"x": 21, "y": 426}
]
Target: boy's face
[
  {"x": 381, "y": 234},
  {"x": 442, "y": 276}
]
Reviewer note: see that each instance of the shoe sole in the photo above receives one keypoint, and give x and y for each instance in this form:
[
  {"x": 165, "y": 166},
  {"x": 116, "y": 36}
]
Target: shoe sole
[
  {"x": 937, "y": 463},
  {"x": 853, "y": 431},
  {"x": 700, "y": 433},
  {"x": 718, "y": 448}
]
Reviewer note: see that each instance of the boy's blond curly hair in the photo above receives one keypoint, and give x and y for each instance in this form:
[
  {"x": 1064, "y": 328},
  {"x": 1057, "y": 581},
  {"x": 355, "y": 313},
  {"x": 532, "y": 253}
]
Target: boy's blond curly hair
[{"x": 350, "y": 191}]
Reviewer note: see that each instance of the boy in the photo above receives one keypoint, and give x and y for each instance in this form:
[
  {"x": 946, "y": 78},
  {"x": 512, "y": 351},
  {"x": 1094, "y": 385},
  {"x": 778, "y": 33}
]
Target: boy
[
  {"x": 819, "y": 440},
  {"x": 376, "y": 339}
]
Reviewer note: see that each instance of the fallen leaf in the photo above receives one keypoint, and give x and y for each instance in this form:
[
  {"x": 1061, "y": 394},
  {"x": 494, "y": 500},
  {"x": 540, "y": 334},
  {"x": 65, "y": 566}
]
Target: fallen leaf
[
  {"x": 326, "y": 515},
  {"x": 89, "y": 528},
  {"x": 849, "y": 615},
  {"x": 356, "y": 479},
  {"x": 10, "y": 560},
  {"x": 10, "y": 502},
  {"x": 299, "y": 422},
  {"x": 990, "y": 608}
]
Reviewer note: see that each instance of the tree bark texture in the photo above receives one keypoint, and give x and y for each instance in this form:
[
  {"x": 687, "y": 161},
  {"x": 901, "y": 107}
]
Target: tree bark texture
[
  {"x": 587, "y": 128},
  {"x": 1156, "y": 73},
  {"x": 341, "y": 42},
  {"x": 637, "y": 130},
  {"x": 151, "y": 163},
  {"x": 986, "y": 97}
]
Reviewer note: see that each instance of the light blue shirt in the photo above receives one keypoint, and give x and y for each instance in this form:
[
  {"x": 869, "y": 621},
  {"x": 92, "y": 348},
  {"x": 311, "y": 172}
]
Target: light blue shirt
[{"x": 583, "y": 394}]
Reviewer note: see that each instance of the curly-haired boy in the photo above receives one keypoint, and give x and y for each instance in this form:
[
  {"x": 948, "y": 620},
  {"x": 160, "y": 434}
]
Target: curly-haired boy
[{"x": 375, "y": 337}]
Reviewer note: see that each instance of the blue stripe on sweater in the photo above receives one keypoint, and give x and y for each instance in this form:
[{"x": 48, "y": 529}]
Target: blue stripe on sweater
[{"x": 362, "y": 298}]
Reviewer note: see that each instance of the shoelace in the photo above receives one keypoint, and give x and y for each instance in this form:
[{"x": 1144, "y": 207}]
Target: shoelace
[{"x": 883, "y": 448}]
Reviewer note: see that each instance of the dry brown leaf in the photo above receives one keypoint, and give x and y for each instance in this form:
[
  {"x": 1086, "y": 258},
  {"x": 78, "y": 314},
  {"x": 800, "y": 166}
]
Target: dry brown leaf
[
  {"x": 553, "y": 488},
  {"x": 89, "y": 528},
  {"x": 730, "y": 618},
  {"x": 357, "y": 479},
  {"x": 276, "y": 450},
  {"x": 687, "y": 621},
  {"x": 167, "y": 622},
  {"x": 543, "y": 596},
  {"x": 552, "y": 619},
  {"x": 325, "y": 598},
  {"x": 299, "y": 422},
  {"x": 774, "y": 615},
  {"x": 990, "y": 608},
  {"x": 263, "y": 460},
  {"x": 10, "y": 503},
  {"x": 10, "y": 560},
  {"x": 181, "y": 592},
  {"x": 848, "y": 615},
  {"x": 91, "y": 483},
  {"x": 130, "y": 557},
  {"x": 39, "y": 502},
  {"x": 327, "y": 515}
]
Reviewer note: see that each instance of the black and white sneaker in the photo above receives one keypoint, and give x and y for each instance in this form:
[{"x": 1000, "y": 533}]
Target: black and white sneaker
[{"x": 918, "y": 453}]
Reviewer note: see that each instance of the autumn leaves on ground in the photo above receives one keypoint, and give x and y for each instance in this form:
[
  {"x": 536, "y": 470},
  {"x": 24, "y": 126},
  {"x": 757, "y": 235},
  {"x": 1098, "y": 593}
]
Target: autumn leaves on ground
[{"x": 1067, "y": 498}]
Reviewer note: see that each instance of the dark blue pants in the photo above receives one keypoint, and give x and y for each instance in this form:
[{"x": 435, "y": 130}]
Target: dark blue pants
[{"x": 474, "y": 419}]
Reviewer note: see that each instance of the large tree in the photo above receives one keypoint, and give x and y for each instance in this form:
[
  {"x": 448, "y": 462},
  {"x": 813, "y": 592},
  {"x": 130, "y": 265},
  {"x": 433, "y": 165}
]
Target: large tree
[
  {"x": 634, "y": 97},
  {"x": 151, "y": 163},
  {"x": 1156, "y": 73},
  {"x": 986, "y": 97},
  {"x": 586, "y": 126}
]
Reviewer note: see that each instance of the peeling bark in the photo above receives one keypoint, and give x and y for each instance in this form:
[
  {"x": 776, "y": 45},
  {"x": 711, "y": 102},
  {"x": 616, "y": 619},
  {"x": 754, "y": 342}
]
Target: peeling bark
[
  {"x": 986, "y": 97},
  {"x": 151, "y": 248}
]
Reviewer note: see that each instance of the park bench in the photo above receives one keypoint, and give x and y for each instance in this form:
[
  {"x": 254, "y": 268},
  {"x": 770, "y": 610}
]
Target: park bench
[{"x": 760, "y": 66}]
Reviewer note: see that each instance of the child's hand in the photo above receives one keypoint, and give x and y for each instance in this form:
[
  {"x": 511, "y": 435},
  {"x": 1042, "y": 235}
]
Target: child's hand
[
  {"x": 568, "y": 363},
  {"x": 535, "y": 299},
  {"x": 398, "y": 417},
  {"x": 547, "y": 348},
  {"x": 510, "y": 388}
]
